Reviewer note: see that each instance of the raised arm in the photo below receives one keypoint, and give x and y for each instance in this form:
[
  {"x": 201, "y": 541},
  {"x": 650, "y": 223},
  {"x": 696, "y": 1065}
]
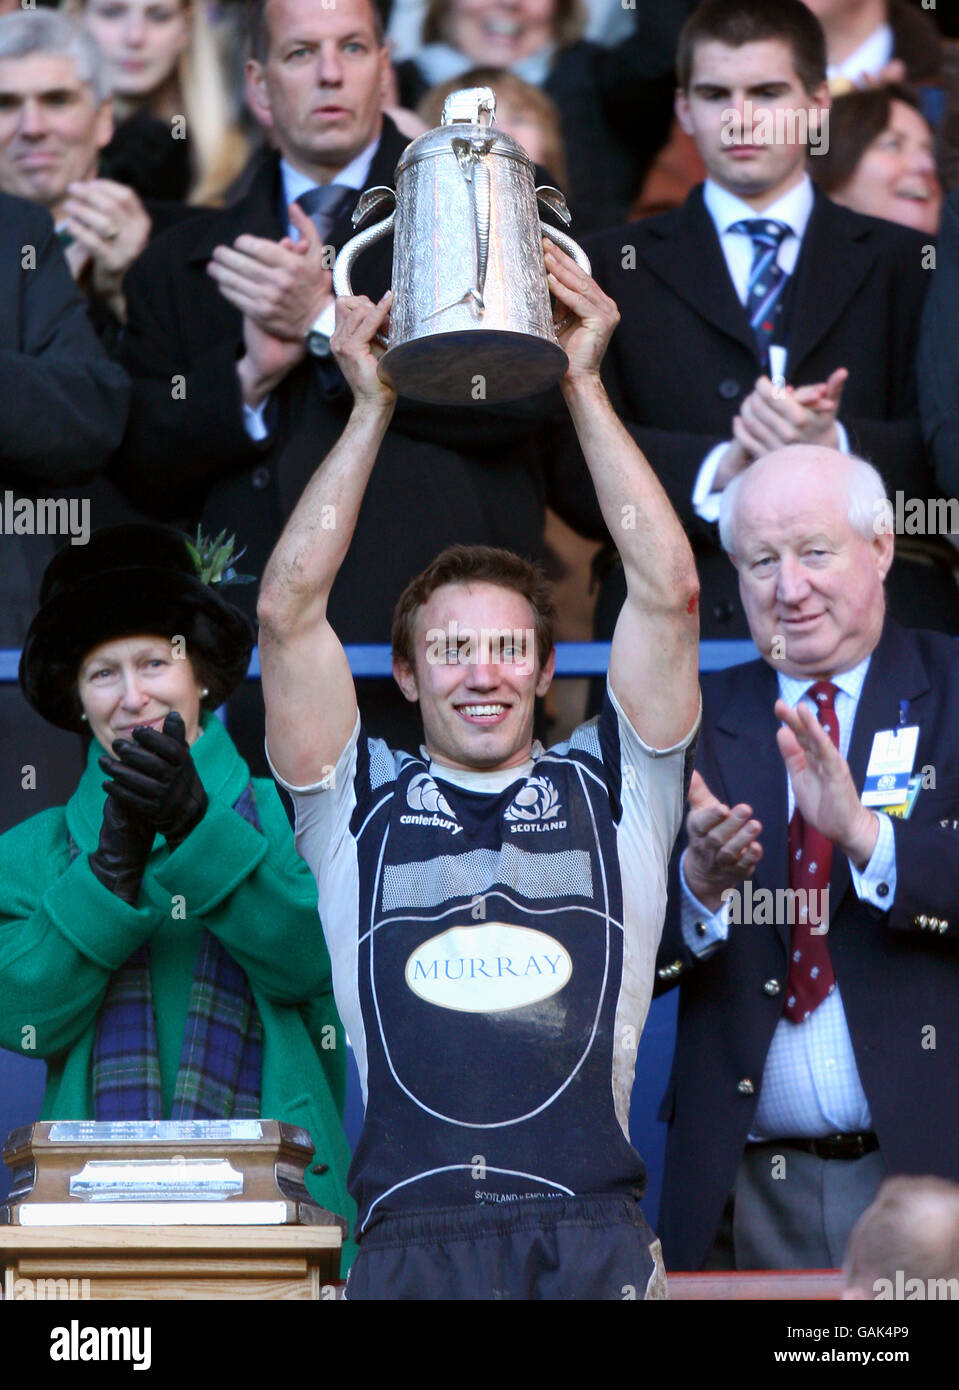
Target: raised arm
[
  {"x": 654, "y": 659},
  {"x": 307, "y": 685}
]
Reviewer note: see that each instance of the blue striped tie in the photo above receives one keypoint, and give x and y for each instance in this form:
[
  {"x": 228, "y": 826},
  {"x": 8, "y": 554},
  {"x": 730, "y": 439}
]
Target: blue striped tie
[{"x": 766, "y": 280}]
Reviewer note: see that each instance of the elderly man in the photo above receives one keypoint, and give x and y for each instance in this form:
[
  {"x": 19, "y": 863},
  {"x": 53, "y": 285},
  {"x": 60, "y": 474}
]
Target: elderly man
[
  {"x": 492, "y": 909},
  {"x": 813, "y": 925},
  {"x": 55, "y": 118}
]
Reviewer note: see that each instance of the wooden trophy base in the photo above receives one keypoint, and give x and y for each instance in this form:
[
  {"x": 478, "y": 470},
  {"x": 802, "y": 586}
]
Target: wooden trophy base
[{"x": 170, "y": 1262}]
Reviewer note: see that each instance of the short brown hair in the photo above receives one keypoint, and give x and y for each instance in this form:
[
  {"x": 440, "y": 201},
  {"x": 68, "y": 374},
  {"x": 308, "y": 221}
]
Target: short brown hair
[
  {"x": 855, "y": 120},
  {"x": 738, "y": 22},
  {"x": 476, "y": 564},
  {"x": 258, "y": 31},
  {"x": 568, "y": 22}
]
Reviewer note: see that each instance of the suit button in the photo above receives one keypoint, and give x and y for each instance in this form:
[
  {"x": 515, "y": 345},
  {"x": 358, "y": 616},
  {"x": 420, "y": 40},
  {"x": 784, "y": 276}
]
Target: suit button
[
  {"x": 260, "y": 477},
  {"x": 745, "y": 1087},
  {"x": 723, "y": 610},
  {"x": 729, "y": 389},
  {"x": 882, "y": 890},
  {"x": 772, "y": 988}
]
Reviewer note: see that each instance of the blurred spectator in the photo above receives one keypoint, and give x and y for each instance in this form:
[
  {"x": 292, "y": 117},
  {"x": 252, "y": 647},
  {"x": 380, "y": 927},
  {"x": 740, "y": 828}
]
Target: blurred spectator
[
  {"x": 614, "y": 103},
  {"x": 939, "y": 355},
  {"x": 879, "y": 159},
  {"x": 524, "y": 112},
  {"x": 672, "y": 176},
  {"x": 911, "y": 1232},
  {"x": 62, "y": 411},
  {"x": 55, "y": 118},
  {"x": 876, "y": 40},
  {"x": 607, "y": 22},
  {"x": 176, "y": 134}
]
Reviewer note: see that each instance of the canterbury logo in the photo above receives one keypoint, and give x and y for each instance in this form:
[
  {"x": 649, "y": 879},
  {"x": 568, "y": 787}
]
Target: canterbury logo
[
  {"x": 423, "y": 794},
  {"x": 537, "y": 800}
]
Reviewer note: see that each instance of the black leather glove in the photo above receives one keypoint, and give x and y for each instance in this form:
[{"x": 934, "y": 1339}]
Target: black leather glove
[
  {"x": 121, "y": 855},
  {"x": 155, "y": 778}
]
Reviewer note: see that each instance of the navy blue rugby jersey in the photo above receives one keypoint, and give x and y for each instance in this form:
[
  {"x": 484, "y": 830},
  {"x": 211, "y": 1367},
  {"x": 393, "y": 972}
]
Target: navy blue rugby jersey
[{"x": 493, "y": 938}]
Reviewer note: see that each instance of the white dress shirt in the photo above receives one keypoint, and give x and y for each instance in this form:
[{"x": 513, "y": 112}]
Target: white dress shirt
[
  {"x": 868, "y": 59},
  {"x": 810, "y": 1084}
]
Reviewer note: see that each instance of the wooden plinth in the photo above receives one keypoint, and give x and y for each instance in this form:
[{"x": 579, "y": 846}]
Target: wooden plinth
[{"x": 170, "y": 1262}]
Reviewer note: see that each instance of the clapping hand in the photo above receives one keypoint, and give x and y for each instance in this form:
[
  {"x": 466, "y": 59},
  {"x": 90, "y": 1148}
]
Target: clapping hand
[
  {"x": 773, "y": 417},
  {"x": 722, "y": 848},
  {"x": 822, "y": 784},
  {"x": 155, "y": 778}
]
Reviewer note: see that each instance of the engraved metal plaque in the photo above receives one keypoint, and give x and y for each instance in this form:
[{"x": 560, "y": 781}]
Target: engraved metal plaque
[
  {"x": 141, "y": 1131},
  {"x": 143, "y": 1179}
]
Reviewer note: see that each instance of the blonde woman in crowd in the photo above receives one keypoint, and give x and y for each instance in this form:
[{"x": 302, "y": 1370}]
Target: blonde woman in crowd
[{"x": 178, "y": 133}]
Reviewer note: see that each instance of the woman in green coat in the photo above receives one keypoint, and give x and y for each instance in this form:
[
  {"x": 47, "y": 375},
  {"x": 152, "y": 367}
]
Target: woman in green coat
[{"x": 159, "y": 940}]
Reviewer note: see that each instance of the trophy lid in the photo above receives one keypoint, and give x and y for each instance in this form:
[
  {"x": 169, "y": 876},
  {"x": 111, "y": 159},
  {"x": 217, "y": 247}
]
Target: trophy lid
[{"x": 467, "y": 114}]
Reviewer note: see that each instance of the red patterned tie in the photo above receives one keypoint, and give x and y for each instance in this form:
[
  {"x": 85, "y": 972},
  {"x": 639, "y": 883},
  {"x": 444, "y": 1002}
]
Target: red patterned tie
[{"x": 811, "y": 975}]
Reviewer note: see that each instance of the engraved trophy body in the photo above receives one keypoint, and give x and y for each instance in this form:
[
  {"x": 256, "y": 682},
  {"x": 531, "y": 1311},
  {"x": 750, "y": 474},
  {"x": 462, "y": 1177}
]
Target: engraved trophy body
[{"x": 471, "y": 317}]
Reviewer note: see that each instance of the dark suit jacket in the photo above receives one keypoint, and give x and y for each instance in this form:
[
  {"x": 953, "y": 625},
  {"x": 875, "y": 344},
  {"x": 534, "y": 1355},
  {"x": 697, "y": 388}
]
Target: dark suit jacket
[
  {"x": 443, "y": 475},
  {"x": 62, "y": 409},
  {"x": 683, "y": 360},
  {"x": 939, "y": 355},
  {"x": 897, "y": 977}
]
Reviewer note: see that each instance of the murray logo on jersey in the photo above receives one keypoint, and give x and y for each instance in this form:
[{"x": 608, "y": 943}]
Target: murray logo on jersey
[
  {"x": 424, "y": 795},
  {"x": 489, "y": 968},
  {"x": 535, "y": 807}
]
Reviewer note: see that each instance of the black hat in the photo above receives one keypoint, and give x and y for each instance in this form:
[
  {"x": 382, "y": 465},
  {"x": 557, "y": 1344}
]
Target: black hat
[{"x": 127, "y": 580}]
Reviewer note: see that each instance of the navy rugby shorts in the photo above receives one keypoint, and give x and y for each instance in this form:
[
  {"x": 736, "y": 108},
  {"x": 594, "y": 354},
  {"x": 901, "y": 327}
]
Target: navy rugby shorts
[{"x": 533, "y": 1248}]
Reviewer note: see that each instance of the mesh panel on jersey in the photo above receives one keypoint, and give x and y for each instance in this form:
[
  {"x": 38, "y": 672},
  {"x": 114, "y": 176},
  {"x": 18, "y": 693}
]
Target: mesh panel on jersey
[
  {"x": 584, "y": 739},
  {"x": 532, "y": 875},
  {"x": 382, "y": 764}
]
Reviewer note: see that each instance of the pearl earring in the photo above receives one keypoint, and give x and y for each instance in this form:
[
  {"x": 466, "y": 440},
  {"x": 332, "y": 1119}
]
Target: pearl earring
[
  {"x": 84, "y": 718},
  {"x": 204, "y": 693}
]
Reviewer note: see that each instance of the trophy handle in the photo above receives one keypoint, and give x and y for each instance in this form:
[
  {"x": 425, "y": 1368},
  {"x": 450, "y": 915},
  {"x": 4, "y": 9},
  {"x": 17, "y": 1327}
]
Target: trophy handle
[
  {"x": 373, "y": 198},
  {"x": 567, "y": 244},
  {"x": 554, "y": 201}
]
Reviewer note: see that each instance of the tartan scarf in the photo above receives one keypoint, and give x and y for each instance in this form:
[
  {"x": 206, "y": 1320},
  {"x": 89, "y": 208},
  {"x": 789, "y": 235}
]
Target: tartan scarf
[{"x": 221, "y": 1059}]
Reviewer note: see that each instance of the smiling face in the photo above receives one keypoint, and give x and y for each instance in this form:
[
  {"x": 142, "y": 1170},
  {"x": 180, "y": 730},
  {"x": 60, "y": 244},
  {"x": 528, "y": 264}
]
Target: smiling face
[
  {"x": 896, "y": 176},
  {"x": 51, "y": 132},
  {"x": 498, "y": 33},
  {"x": 749, "y": 114},
  {"x": 476, "y": 676},
  {"x": 321, "y": 88},
  {"x": 136, "y": 680},
  {"x": 142, "y": 41},
  {"x": 805, "y": 575}
]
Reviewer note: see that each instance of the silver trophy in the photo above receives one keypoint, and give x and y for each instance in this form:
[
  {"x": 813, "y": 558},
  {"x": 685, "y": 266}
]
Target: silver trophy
[{"x": 471, "y": 318}]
